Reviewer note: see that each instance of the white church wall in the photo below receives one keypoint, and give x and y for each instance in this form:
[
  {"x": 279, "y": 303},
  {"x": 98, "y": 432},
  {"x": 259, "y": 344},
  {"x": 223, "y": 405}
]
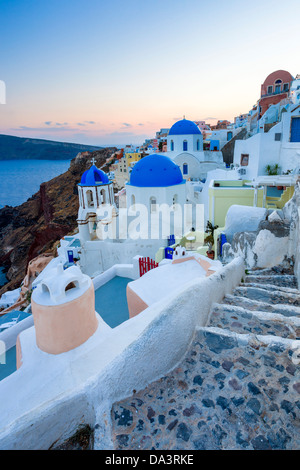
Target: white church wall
[{"x": 194, "y": 144}]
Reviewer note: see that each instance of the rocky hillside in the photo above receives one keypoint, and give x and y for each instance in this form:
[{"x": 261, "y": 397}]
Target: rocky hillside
[
  {"x": 36, "y": 226},
  {"x": 23, "y": 148}
]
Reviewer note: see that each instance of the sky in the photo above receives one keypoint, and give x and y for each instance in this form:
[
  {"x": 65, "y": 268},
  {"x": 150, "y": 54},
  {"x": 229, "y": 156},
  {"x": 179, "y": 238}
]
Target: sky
[{"x": 114, "y": 72}]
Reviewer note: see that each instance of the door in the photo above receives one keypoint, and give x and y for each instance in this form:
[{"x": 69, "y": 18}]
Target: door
[{"x": 295, "y": 129}]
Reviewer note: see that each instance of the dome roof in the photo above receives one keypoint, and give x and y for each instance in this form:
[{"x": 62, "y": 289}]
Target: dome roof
[
  {"x": 94, "y": 177},
  {"x": 184, "y": 127},
  {"x": 155, "y": 171}
]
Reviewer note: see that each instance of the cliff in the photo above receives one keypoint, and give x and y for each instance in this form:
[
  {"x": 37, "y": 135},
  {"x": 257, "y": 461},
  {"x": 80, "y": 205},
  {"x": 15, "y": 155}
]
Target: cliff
[
  {"x": 36, "y": 226},
  {"x": 21, "y": 148}
]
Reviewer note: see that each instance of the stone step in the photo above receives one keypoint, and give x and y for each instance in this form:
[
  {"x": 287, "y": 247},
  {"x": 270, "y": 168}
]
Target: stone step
[
  {"x": 271, "y": 287},
  {"x": 231, "y": 391},
  {"x": 274, "y": 271},
  {"x": 249, "y": 304},
  {"x": 244, "y": 321},
  {"x": 276, "y": 279},
  {"x": 263, "y": 295}
]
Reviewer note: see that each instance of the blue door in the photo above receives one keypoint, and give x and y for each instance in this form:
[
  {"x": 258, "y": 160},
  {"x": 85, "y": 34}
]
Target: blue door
[
  {"x": 295, "y": 130},
  {"x": 70, "y": 256},
  {"x": 169, "y": 253}
]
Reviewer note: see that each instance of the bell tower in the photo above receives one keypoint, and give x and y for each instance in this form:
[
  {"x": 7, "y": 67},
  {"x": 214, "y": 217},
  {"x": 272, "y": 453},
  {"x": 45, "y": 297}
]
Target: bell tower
[{"x": 94, "y": 190}]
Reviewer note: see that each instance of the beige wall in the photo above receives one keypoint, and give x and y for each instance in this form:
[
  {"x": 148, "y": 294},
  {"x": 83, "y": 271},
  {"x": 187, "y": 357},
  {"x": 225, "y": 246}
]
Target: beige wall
[{"x": 60, "y": 328}]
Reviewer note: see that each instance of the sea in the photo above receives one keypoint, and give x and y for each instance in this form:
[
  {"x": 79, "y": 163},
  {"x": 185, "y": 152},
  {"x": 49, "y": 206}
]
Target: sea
[{"x": 20, "y": 179}]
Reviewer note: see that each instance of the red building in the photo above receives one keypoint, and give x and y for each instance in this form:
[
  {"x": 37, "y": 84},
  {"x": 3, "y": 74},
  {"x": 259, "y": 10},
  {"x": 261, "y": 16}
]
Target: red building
[{"x": 274, "y": 89}]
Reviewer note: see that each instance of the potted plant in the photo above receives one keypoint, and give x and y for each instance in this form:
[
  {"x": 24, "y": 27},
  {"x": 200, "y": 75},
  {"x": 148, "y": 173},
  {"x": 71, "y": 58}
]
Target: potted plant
[
  {"x": 209, "y": 240},
  {"x": 273, "y": 170}
]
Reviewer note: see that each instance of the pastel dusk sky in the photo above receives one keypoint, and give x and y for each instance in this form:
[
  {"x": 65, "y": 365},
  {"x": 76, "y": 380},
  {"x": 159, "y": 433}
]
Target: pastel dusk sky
[{"x": 114, "y": 72}]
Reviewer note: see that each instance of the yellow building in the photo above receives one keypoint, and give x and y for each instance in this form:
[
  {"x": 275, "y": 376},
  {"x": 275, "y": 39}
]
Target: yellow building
[
  {"x": 132, "y": 157},
  {"x": 223, "y": 194}
]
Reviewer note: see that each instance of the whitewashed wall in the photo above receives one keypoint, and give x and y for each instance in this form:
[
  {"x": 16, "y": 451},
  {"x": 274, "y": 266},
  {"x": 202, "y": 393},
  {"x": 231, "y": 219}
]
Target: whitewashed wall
[{"x": 49, "y": 397}]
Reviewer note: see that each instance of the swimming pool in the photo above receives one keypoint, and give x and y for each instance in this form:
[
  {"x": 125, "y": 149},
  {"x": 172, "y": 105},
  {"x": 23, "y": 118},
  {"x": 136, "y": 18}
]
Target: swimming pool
[
  {"x": 10, "y": 365},
  {"x": 111, "y": 301}
]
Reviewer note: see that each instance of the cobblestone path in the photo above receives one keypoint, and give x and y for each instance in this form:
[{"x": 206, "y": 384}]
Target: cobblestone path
[{"x": 238, "y": 387}]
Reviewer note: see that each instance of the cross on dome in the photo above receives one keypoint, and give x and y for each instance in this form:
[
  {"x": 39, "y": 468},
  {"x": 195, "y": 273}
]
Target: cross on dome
[{"x": 93, "y": 161}]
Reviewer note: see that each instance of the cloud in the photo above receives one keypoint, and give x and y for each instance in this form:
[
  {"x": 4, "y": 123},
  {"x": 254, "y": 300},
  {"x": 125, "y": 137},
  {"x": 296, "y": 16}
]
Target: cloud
[
  {"x": 42, "y": 129},
  {"x": 126, "y": 124},
  {"x": 90, "y": 122},
  {"x": 48, "y": 123},
  {"x": 211, "y": 118},
  {"x": 140, "y": 124},
  {"x": 80, "y": 124}
]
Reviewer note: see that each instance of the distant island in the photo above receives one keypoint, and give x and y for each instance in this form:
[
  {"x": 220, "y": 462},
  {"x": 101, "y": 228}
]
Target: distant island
[{"x": 23, "y": 148}]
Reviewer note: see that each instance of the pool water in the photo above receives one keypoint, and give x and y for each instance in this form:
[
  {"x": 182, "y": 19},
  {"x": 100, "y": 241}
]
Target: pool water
[
  {"x": 111, "y": 301},
  {"x": 8, "y": 364},
  {"x": 11, "y": 316}
]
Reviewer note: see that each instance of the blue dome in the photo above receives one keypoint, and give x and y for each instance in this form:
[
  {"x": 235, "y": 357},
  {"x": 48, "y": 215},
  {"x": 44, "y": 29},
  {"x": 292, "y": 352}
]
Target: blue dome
[
  {"x": 184, "y": 127},
  {"x": 155, "y": 171},
  {"x": 94, "y": 177}
]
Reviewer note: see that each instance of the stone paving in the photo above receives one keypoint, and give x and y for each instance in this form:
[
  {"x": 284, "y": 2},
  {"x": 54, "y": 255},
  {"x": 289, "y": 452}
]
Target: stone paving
[{"x": 238, "y": 386}]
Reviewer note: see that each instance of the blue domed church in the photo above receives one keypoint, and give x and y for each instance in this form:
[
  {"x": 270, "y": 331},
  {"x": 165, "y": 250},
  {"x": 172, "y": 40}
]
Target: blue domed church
[
  {"x": 185, "y": 148},
  {"x": 155, "y": 181}
]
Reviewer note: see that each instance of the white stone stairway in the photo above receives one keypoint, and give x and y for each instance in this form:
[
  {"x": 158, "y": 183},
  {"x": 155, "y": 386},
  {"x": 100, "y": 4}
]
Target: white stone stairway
[{"x": 238, "y": 386}]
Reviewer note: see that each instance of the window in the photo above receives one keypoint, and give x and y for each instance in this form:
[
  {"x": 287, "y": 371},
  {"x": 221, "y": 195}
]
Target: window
[
  {"x": 152, "y": 204},
  {"x": 277, "y": 88},
  {"x": 89, "y": 197},
  {"x": 270, "y": 89},
  {"x": 277, "y": 136},
  {"x": 175, "y": 201},
  {"x": 133, "y": 202},
  {"x": 103, "y": 196},
  {"x": 198, "y": 145},
  {"x": 185, "y": 168},
  {"x": 172, "y": 146},
  {"x": 229, "y": 135},
  {"x": 185, "y": 145},
  {"x": 285, "y": 87},
  {"x": 244, "y": 159}
]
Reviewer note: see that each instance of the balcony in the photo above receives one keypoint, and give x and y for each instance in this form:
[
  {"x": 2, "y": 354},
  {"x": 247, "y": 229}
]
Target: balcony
[{"x": 280, "y": 92}]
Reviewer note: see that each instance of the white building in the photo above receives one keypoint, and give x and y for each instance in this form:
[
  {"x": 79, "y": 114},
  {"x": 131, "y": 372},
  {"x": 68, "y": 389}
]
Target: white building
[
  {"x": 155, "y": 199},
  {"x": 281, "y": 146},
  {"x": 185, "y": 148},
  {"x": 94, "y": 190},
  {"x": 157, "y": 180},
  {"x": 295, "y": 90},
  {"x": 219, "y": 137}
]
